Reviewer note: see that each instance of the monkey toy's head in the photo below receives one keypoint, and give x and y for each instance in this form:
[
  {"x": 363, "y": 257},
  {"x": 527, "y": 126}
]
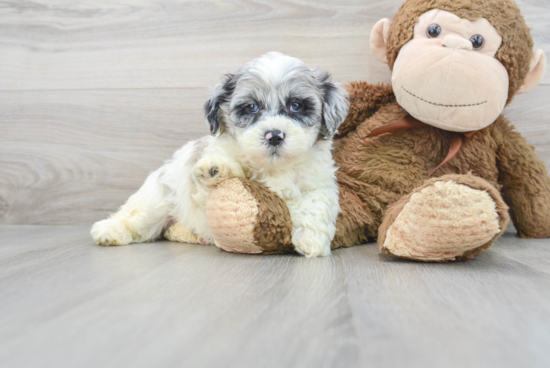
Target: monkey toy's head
[{"x": 457, "y": 64}]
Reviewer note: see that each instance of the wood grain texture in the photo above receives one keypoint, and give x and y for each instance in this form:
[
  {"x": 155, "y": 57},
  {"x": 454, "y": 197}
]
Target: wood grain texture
[
  {"x": 69, "y": 157},
  {"x": 72, "y": 157},
  {"x": 96, "y": 94},
  {"x": 69, "y": 303},
  {"x": 71, "y": 44}
]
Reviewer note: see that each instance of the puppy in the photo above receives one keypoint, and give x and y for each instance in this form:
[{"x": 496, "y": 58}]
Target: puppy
[{"x": 272, "y": 122}]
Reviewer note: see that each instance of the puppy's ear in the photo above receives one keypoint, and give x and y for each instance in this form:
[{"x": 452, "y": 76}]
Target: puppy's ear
[
  {"x": 221, "y": 93},
  {"x": 335, "y": 104}
]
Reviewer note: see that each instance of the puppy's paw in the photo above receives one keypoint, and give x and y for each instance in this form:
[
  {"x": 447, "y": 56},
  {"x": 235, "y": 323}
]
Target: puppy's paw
[
  {"x": 180, "y": 233},
  {"x": 111, "y": 232},
  {"x": 210, "y": 171},
  {"x": 310, "y": 243}
]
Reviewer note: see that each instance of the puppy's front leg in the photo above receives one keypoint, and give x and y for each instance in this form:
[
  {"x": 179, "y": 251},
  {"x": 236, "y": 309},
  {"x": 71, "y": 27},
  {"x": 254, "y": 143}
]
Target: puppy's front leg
[
  {"x": 211, "y": 170},
  {"x": 314, "y": 222}
]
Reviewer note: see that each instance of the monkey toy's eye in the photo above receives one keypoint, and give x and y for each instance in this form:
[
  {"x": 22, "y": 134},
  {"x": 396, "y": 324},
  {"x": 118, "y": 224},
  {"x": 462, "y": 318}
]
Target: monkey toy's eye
[
  {"x": 253, "y": 108},
  {"x": 295, "y": 107},
  {"x": 477, "y": 42},
  {"x": 434, "y": 31}
]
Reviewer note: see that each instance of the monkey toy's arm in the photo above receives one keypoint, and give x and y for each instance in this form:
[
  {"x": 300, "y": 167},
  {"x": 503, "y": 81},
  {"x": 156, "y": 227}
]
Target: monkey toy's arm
[
  {"x": 526, "y": 185},
  {"x": 365, "y": 100}
]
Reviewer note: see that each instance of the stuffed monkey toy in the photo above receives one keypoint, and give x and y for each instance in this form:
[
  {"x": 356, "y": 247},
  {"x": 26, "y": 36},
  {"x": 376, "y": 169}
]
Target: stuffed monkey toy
[{"x": 428, "y": 166}]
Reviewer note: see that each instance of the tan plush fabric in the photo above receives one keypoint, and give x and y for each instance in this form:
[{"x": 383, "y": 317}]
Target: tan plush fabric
[
  {"x": 444, "y": 219},
  {"x": 517, "y": 44},
  {"x": 445, "y": 83},
  {"x": 238, "y": 211},
  {"x": 246, "y": 217}
]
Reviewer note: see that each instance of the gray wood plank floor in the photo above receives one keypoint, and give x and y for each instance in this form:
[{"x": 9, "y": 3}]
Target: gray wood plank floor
[
  {"x": 96, "y": 94},
  {"x": 66, "y": 302}
]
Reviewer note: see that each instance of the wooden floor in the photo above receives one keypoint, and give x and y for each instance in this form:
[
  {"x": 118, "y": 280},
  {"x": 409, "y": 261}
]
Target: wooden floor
[
  {"x": 96, "y": 94},
  {"x": 66, "y": 302}
]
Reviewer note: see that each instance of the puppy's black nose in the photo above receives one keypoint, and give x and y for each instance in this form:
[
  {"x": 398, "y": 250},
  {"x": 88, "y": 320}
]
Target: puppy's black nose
[{"x": 275, "y": 137}]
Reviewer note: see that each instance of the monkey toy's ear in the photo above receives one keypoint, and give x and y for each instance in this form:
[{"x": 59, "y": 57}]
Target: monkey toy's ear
[
  {"x": 221, "y": 93},
  {"x": 536, "y": 71},
  {"x": 378, "y": 39}
]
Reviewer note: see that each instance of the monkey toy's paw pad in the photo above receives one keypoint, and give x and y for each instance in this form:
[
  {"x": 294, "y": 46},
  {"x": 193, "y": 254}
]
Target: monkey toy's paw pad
[
  {"x": 111, "y": 232},
  {"x": 246, "y": 217},
  {"x": 210, "y": 171},
  {"x": 179, "y": 233},
  {"x": 443, "y": 221}
]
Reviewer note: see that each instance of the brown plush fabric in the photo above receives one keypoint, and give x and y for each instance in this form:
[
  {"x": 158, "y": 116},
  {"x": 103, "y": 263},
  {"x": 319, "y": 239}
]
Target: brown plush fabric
[
  {"x": 365, "y": 105},
  {"x": 378, "y": 172},
  {"x": 246, "y": 217},
  {"x": 273, "y": 228},
  {"x": 381, "y": 170},
  {"x": 525, "y": 184},
  {"x": 517, "y": 44}
]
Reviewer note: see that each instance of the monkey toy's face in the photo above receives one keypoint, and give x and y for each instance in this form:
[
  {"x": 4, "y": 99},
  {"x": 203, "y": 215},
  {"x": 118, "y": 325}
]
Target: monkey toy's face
[{"x": 447, "y": 74}]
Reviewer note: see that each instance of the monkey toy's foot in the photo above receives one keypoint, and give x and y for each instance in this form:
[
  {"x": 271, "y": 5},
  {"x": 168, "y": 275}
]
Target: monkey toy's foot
[
  {"x": 246, "y": 217},
  {"x": 446, "y": 219}
]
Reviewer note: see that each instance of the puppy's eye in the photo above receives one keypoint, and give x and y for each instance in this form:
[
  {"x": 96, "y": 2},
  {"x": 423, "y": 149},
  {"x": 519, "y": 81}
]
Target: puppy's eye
[
  {"x": 252, "y": 108},
  {"x": 295, "y": 107},
  {"x": 434, "y": 31},
  {"x": 477, "y": 42}
]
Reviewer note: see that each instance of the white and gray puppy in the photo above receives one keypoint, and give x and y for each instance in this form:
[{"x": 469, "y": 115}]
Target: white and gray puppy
[{"x": 272, "y": 122}]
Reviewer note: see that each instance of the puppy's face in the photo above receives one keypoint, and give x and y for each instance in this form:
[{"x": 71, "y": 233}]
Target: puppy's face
[{"x": 276, "y": 108}]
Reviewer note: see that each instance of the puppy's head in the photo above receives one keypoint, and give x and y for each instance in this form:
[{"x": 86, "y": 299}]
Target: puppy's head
[{"x": 276, "y": 107}]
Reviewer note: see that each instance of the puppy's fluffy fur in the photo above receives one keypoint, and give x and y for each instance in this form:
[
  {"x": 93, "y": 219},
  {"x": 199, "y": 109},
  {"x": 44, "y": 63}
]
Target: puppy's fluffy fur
[{"x": 274, "y": 95}]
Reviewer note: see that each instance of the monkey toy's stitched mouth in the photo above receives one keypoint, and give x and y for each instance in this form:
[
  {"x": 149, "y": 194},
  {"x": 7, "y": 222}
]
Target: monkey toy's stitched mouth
[{"x": 442, "y": 105}]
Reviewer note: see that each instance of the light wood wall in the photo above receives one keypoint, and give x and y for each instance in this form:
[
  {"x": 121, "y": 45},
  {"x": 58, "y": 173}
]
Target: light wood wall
[{"x": 96, "y": 94}]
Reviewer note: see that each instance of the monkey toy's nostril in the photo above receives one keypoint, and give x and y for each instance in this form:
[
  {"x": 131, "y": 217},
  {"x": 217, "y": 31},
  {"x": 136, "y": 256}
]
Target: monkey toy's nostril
[{"x": 275, "y": 137}]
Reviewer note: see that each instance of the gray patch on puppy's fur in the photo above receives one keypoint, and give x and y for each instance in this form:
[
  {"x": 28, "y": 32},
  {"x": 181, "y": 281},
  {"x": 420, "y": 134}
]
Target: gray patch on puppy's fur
[{"x": 273, "y": 83}]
